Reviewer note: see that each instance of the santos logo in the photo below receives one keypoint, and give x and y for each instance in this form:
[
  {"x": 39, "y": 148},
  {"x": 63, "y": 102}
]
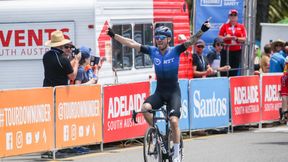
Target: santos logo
[
  {"x": 210, "y": 107},
  {"x": 211, "y": 3}
]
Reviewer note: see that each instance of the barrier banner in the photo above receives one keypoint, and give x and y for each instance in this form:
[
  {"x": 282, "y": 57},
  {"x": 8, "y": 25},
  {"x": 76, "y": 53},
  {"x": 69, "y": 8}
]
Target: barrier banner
[
  {"x": 184, "y": 118},
  {"x": 78, "y": 115},
  {"x": 245, "y": 99},
  {"x": 218, "y": 11},
  {"x": 26, "y": 121},
  {"x": 209, "y": 103},
  {"x": 119, "y": 101},
  {"x": 271, "y": 100}
]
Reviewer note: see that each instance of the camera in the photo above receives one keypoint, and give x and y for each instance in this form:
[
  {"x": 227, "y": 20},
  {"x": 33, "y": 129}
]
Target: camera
[
  {"x": 94, "y": 60},
  {"x": 75, "y": 51}
]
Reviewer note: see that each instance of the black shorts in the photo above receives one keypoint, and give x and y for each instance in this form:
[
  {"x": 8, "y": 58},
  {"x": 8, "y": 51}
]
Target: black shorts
[{"x": 171, "y": 98}]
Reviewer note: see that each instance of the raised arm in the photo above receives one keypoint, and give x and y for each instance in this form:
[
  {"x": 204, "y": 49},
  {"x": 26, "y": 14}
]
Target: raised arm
[
  {"x": 193, "y": 39},
  {"x": 124, "y": 41}
]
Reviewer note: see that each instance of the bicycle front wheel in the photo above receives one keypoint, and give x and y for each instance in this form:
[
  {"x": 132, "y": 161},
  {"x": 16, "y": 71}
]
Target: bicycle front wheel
[{"x": 151, "y": 149}]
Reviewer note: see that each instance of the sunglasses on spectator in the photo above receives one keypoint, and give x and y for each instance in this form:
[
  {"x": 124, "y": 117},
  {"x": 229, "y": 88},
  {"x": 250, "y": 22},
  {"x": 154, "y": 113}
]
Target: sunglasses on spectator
[
  {"x": 219, "y": 44},
  {"x": 200, "y": 46},
  {"x": 161, "y": 37},
  {"x": 67, "y": 46},
  {"x": 233, "y": 15},
  {"x": 278, "y": 45}
]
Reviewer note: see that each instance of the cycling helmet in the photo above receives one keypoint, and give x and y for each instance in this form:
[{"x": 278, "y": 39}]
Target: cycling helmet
[{"x": 163, "y": 30}]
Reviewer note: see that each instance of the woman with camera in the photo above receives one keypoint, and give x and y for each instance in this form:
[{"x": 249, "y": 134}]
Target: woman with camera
[{"x": 85, "y": 74}]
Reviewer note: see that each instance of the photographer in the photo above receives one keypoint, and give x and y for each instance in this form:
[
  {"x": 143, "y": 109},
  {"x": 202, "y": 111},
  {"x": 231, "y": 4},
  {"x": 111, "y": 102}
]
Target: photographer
[
  {"x": 57, "y": 67},
  {"x": 85, "y": 74}
]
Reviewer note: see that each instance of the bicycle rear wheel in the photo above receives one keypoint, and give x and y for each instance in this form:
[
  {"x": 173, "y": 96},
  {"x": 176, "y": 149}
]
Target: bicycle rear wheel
[{"x": 151, "y": 149}]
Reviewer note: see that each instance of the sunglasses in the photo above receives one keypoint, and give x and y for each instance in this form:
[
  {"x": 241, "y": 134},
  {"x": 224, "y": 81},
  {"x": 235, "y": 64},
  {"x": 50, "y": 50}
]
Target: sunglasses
[
  {"x": 233, "y": 15},
  {"x": 161, "y": 37},
  {"x": 67, "y": 46},
  {"x": 200, "y": 46},
  {"x": 219, "y": 44}
]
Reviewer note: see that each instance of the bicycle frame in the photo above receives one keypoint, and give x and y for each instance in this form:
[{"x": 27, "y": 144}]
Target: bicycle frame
[{"x": 164, "y": 143}]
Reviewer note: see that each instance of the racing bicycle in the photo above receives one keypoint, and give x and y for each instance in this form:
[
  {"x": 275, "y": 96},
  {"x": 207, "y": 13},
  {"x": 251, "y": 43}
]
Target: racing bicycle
[{"x": 158, "y": 146}]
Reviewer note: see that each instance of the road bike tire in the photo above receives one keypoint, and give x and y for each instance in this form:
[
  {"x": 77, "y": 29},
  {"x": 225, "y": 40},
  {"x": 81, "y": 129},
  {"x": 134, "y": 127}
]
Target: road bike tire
[{"x": 151, "y": 148}]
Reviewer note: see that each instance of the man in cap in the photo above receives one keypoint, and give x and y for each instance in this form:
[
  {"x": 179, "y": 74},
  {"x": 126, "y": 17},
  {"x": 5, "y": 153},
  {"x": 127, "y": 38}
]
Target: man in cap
[
  {"x": 214, "y": 57},
  {"x": 57, "y": 67},
  {"x": 234, "y": 35},
  {"x": 201, "y": 68}
]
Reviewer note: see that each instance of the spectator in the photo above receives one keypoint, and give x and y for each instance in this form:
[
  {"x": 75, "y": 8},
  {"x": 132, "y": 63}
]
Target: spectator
[
  {"x": 277, "y": 46},
  {"x": 277, "y": 60},
  {"x": 256, "y": 60},
  {"x": 284, "y": 93},
  {"x": 265, "y": 59},
  {"x": 214, "y": 57},
  {"x": 201, "y": 67},
  {"x": 234, "y": 35},
  {"x": 85, "y": 74},
  {"x": 57, "y": 67}
]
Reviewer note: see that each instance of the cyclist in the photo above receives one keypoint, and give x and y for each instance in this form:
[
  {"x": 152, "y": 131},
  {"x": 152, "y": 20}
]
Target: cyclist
[{"x": 166, "y": 63}]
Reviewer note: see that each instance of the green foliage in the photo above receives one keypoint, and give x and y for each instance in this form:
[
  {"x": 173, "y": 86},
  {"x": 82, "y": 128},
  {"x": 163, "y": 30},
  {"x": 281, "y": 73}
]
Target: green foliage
[{"x": 278, "y": 10}]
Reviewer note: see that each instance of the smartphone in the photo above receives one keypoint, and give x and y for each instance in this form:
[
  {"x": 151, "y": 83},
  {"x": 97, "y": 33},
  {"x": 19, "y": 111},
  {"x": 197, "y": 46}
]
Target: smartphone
[{"x": 94, "y": 60}]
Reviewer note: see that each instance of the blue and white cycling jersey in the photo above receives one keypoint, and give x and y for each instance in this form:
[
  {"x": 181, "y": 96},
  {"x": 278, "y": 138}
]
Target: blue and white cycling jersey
[{"x": 166, "y": 65}]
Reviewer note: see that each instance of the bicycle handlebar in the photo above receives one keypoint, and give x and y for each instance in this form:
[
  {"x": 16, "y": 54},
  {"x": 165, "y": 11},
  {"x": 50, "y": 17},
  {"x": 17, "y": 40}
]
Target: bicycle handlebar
[{"x": 134, "y": 113}]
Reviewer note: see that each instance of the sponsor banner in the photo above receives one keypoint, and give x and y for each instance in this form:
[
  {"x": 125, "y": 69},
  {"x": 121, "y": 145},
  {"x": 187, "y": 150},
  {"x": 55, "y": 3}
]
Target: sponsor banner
[
  {"x": 271, "y": 100},
  {"x": 20, "y": 41},
  {"x": 26, "y": 121},
  {"x": 119, "y": 102},
  {"x": 209, "y": 103},
  {"x": 184, "y": 118},
  {"x": 218, "y": 11},
  {"x": 245, "y": 99},
  {"x": 78, "y": 115}
]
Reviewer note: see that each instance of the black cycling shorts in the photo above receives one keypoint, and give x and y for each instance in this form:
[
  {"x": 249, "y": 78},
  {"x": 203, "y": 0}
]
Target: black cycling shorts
[{"x": 171, "y": 98}]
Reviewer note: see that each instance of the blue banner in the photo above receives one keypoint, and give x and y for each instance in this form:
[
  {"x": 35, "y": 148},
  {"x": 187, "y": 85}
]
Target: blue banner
[
  {"x": 184, "y": 119},
  {"x": 218, "y": 11},
  {"x": 209, "y": 103}
]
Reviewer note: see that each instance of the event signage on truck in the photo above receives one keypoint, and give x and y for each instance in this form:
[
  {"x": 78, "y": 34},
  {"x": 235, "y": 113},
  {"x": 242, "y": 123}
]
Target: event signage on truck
[
  {"x": 245, "y": 99},
  {"x": 209, "y": 103},
  {"x": 184, "y": 118},
  {"x": 271, "y": 100},
  {"x": 78, "y": 115},
  {"x": 26, "y": 121},
  {"x": 19, "y": 41},
  {"x": 119, "y": 102},
  {"x": 218, "y": 11}
]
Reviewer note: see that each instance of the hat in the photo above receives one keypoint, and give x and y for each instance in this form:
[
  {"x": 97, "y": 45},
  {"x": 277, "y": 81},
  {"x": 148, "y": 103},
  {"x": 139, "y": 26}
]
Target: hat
[
  {"x": 217, "y": 40},
  {"x": 278, "y": 41},
  {"x": 57, "y": 39},
  {"x": 85, "y": 51},
  {"x": 233, "y": 11},
  {"x": 200, "y": 42}
]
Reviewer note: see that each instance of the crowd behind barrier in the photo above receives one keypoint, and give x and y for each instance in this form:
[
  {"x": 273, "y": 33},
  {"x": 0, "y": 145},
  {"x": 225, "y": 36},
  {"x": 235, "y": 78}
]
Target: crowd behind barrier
[{"x": 49, "y": 119}]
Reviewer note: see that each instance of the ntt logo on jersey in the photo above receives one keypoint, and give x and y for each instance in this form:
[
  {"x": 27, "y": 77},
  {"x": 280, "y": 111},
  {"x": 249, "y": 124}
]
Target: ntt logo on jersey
[
  {"x": 157, "y": 61},
  {"x": 211, "y": 3}
]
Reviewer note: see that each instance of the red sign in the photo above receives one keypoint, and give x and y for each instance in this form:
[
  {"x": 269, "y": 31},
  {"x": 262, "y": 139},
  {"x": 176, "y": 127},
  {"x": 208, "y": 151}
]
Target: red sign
[
  {"x": 119, "y": 101},
  {"x": 245, "y": 100},
  {"x": 270, "y": 97}
]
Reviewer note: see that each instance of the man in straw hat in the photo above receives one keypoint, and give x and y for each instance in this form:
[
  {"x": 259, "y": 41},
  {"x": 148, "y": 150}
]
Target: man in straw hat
[
  {"x": 57, "y": 67},
  {"x": 277, "y": 60}
]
